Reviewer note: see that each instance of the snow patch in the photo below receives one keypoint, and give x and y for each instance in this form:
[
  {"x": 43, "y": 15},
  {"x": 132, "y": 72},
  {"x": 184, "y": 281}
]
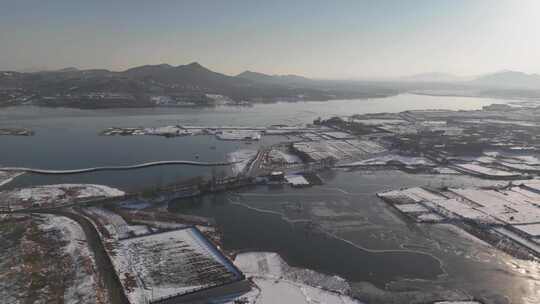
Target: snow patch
[
  {"x": 56, "y": 195},
  {"x": 83, "y": 286},
  {"x": 170, "y": 263},
  {"x": 7, "y": 177},
  {"x": 241, "y": 158},
  {"x": 276, "y": 283},
  {"x": 278, "y": 156}
]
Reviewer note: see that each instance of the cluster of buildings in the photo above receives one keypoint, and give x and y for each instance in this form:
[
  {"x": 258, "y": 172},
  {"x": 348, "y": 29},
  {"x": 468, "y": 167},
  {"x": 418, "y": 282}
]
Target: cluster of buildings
[
  {"x": 461, "y": 140},
  {"x": 109, "y": 98},
  {"x": 181, "y": 100},
  {"x": 221, "y": 132},
  {"x": 457, "y": 132}
]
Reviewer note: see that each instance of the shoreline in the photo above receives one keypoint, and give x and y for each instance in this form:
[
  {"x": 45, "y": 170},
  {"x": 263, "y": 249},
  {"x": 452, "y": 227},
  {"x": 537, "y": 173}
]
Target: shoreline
[{"x": 197, "y": 106}]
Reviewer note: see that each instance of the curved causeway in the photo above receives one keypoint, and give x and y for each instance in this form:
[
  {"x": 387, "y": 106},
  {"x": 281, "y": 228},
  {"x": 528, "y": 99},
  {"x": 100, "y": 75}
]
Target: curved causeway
[{"x": 117, "y": 168}]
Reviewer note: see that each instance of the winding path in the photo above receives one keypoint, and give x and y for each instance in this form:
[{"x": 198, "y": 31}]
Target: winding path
[{"x": 117, "y": 168}]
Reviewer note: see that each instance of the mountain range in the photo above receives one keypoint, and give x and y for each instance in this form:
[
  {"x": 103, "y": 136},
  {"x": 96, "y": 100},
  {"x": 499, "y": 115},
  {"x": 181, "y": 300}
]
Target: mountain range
[
  {"x": 502, "y": 79},
  {"x": 195, "y": 84},
  {"x": 433, "y": 77},
  {"x": 511, "y": 79},
  {"x": 190, "y": 83}
]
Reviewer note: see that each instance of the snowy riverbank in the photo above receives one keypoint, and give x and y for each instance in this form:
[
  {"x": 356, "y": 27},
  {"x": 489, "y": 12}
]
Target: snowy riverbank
[
  {"x": 274, "y": 279},
  {"x": 48, "y": 196},
  {"x": 8, "y": 177}
]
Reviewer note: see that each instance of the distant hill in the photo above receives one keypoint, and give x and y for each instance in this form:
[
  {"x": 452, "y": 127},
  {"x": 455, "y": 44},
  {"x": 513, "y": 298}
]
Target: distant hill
[
  {"x": 147, "y": 70},
  {"x": 509, "y": 79},
  {"x": 191, "y": 76},
  {"x": 191, "y": 83},
  {"x": 433, "y": 77},
  {"x": 68, "y": 69},
  {"x": 274, "y": 79},
  {"x": 255, "y": 76}
]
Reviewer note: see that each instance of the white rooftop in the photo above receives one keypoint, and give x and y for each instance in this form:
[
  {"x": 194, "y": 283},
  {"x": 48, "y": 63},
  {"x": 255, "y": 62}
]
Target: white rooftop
[{"x": 296, "y": 180}]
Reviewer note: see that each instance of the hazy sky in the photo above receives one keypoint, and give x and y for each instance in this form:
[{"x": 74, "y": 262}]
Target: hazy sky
[{"x": 332, "y": 39}]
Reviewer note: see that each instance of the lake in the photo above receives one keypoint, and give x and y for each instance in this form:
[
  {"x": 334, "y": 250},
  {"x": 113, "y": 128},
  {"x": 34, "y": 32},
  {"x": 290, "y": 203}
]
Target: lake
[{"x": 69, "y": 138}]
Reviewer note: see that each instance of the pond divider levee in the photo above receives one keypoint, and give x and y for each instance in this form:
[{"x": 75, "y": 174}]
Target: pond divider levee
[
  {"x": 118, "y": 168},
  {"x": 157, "y": 195}
]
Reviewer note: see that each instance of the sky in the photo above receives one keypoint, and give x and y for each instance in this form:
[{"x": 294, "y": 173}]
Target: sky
[{"x": 314, "y": 38}]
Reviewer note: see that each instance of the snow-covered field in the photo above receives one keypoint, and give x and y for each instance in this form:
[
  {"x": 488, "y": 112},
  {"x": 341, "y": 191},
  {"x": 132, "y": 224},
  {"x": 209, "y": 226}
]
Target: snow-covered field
[
  {"x": 114, "y": 223},
  {"x": 530, "y": 244},
  {"x": 514, "y": 206},
  {"x": 160, "y": 131},
  {"x": 278, "y": 156},
  {"x": 452, "y": 207},
  {"x": 239, "y": 135},
  {"x": 55, "y": 195},
  {"x": 242, "y": 159},
  {"x": 83, "y": 286},
  {"x": 478, "y": 169},
  {"x": 445, "y": 170},
  {"x": 167, "y": 131},
  {"x": 414, "y": 194},
  {"x": 381, "y": 121},
  {"x": 529, "y": 229},
  {"x": 153, "y": 262},
  {"x": 411, "y": 208},
  {"x": 508, "y": 206},
  {"x": 337, "y": 149},
  {"x": 367, "y": 146},
  {"x": 277, "y": 282},
  {"x": 383, "y": 160},
  {"x": 48, "y": 260},
  {"x": 429, "y": 217},
  {"x": 170, "y": 263},
  {"x": 338, "y": 135}
]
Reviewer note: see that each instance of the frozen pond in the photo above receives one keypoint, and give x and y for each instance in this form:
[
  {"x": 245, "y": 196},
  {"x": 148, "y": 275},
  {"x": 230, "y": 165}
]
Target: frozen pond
[{"x": 342, "y": 228}]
